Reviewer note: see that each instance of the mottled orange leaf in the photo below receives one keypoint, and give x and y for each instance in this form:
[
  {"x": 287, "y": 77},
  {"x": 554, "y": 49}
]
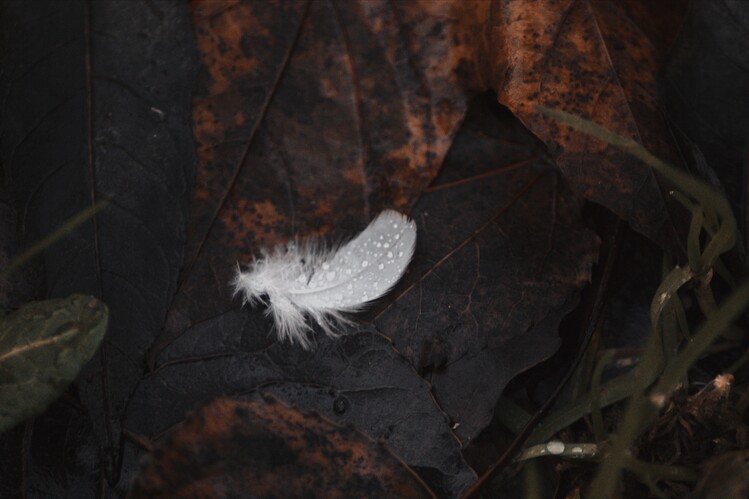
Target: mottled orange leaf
[
  {"x": 598, "y": 59},
  {"x": 263, "y": 448}
]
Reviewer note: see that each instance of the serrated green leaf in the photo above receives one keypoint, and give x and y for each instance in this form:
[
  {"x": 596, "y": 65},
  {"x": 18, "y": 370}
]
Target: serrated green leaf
[{"x": 43, "y": 346}]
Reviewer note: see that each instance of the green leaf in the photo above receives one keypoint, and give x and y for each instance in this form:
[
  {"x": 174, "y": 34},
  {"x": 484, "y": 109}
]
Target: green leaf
[{"x": 43, "y": 346}]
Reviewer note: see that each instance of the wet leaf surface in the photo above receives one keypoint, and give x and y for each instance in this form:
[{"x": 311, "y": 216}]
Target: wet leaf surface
[
  {"x": 713, "y": 111},
  {"x": 21, "y": 286},
  {"x": 357, "y": 380},
  {"x": 501, "y": 255},
  {"x": 61, "y": 456},
  {"x": 263, "y": 448}
]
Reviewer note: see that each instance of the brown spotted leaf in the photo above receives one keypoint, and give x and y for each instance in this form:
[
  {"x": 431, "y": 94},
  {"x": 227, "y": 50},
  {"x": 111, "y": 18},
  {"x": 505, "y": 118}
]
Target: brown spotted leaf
[
  {"x": 597, "y": 59},
  {"x": 311, "y": 116},
  {"x": 263, "y": 448}
]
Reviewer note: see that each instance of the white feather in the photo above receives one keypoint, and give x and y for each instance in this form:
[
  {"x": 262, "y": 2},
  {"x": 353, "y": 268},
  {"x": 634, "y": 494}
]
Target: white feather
[{"x": 306, "y": 281}]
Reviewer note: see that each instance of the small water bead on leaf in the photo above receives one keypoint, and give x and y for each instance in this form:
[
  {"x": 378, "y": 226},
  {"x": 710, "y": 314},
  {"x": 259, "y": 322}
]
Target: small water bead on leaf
[
  {"x": 305, "y": 281},
  {"x": 555, "y": 447},
  {"x": 340, "y": 405}
]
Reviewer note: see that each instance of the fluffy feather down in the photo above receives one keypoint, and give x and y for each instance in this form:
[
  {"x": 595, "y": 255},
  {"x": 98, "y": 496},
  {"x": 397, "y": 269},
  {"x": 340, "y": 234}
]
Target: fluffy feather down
[{"x": 307, "y": 281}]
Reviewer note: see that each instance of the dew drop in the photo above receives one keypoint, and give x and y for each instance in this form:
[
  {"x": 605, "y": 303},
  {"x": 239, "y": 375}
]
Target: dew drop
[
  {"x": 386, "y": 245},
  {"x": 364, "y": 263},
  {"x": 340, "y": 405},
  {"x": 330, "y": 276},
  {"x": 395, "y": 226},
  {"x": 390, "y": 254},
  {"x": 400, "y": 253},
  {"x": 379, "y": 245},
  {"x": 381, "y": 266},
  {"x": 325, "y": 266},
  {"x": 555, "y": 447},
  {"x": 397, "y": 236}
]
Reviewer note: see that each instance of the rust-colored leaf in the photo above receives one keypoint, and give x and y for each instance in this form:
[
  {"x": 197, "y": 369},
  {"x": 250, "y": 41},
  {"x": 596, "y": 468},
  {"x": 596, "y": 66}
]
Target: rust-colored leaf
[
  {"x": 263, "y": 448},
  {"x": 311, "y": 116},
  {"x": 598, "y": 59}
]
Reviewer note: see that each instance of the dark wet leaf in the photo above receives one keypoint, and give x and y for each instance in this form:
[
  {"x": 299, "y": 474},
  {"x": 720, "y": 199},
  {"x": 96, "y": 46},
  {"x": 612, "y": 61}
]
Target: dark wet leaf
[
  {"x": 357, "y": 380},
  {"x": 95, "y": 99},
  {"x": 43, "y": 346},
  {"x": 501, "y": 256},
  {"x": 597, "y": 59},
  {"x": 263, "y": 448},
  {"x": 54, "y": 455},
  {"x": 20, "y": 286},
  {"x": 705, "y": 87}
]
